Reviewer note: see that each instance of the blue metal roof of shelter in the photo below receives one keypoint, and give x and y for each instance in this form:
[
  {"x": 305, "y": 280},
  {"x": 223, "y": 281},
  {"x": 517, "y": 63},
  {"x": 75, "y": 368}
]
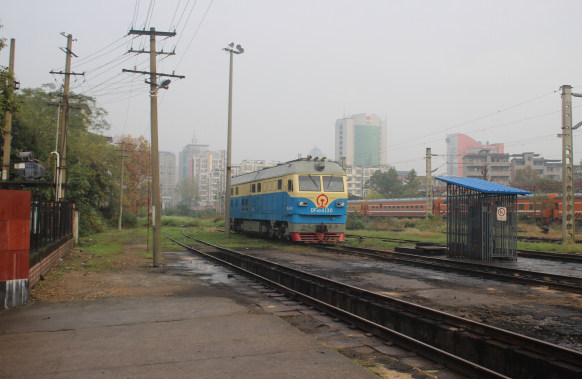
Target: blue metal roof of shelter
[{"x": 484, "y": 186}]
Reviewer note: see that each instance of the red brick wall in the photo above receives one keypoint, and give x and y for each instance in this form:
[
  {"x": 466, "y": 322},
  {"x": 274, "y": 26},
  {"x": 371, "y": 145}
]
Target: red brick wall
[
  {"x": 43, "y": 266},
  {"x": 14, "y": 234}
]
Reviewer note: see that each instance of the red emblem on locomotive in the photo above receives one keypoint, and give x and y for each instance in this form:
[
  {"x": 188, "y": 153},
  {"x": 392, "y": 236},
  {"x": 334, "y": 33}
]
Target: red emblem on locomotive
[{"x": 322, "y": 201}]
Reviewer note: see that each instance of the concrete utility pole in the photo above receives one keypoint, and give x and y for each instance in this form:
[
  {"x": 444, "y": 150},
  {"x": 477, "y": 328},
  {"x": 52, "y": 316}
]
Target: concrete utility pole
[
  {"x": 65, "y": 118},
  {"x": 428, "y": 182},
  {"x": 568, "y": 220},
  {"x": 121, "y": 186},
  {"x": 155, "y": 158},
  {"x": 240, "y": 50},
  {"x": 156, "y": 208},
  {"x": 8, "y": 121}
]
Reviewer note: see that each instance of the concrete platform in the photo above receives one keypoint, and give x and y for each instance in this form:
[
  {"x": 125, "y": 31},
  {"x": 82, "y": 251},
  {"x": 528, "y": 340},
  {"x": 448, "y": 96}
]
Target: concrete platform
[{"x": 202, "y": 333}]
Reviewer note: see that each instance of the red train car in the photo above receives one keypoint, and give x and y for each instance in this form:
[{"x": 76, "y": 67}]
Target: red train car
[{"x": 548, "y": 207}]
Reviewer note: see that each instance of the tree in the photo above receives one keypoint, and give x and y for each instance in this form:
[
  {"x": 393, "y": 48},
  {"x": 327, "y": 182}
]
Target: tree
[
  {"x": 386, "y": 183},
  {"x": 188, "y": 191},
  {"x": 526, "y": 177},
  {"x": 137, "y": 173},
  {"x": 90, "y": 158},
  {"x": 374, "y": 195},
  {"x": 92, "y": 172},
  {"x": 8, "y": 99},
  {"x": 412, "y": 184}
]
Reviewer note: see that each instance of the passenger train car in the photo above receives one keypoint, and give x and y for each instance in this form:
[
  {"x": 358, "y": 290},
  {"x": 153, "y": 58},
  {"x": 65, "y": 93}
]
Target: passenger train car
[
  {"x": 301, "y": 200},
  {"x": 547, "y": 207}
]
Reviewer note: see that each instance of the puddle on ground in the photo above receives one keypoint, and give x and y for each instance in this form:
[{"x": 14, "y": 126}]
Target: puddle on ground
[{"x": 203, "y": 269}]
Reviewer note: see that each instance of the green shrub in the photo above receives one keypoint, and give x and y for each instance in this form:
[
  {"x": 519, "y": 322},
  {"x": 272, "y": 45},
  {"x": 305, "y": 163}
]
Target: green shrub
[
  {"x": 90, "y": 220},
  {"x": 128, "y": 220}
]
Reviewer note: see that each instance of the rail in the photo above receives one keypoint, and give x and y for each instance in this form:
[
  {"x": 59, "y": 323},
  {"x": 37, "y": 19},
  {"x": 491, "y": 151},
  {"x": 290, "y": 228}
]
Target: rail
[
  {"x": 558, "y": 282},
  {"x": 471, "y": 348}
]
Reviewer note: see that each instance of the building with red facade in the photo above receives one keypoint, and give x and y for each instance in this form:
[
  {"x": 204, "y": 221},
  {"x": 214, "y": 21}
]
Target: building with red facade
[{"x": 459, "y": 145}]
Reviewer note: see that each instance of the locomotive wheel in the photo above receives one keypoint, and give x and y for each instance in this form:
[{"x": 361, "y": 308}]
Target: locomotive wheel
[{"x": 280, "y": 233}]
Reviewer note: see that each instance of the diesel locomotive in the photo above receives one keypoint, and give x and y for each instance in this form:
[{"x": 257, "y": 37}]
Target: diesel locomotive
[{"x": 301, "y": 200}]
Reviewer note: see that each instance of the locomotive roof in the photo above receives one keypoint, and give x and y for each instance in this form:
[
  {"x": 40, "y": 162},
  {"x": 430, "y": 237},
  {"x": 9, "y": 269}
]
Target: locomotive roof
[{"x": 294, "y": 167}]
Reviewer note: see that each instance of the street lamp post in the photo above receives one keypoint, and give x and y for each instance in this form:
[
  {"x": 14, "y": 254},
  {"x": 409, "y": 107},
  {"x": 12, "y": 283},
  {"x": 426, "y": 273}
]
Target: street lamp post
[{"x": 239, "y": 50}]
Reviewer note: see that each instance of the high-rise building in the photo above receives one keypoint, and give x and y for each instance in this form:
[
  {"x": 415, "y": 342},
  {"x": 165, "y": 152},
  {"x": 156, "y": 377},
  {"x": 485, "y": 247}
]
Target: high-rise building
[
  {"x": 209, "y": 170},
  {"x": 192, "y": 149},
  {"x": 459, "y": 145},
  {"x": 362, "y": 138},
  {"x": 168, "y": 178}
]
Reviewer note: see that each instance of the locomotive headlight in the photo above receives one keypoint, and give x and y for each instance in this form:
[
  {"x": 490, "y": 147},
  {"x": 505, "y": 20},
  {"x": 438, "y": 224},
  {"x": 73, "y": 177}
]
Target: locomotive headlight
[
  {"x": 340, "y": 204},
  {"x": 303, "y": 203}
]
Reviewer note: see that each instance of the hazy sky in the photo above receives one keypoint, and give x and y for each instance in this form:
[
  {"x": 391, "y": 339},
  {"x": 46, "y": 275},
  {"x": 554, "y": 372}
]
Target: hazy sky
[{"x": 430, "y": 67}]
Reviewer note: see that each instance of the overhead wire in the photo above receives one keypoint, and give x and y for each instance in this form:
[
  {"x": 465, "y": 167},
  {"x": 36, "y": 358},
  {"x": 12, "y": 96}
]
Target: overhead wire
[
  {"x": 199, "y": 25},
  {"x": 464, "y": 123}
]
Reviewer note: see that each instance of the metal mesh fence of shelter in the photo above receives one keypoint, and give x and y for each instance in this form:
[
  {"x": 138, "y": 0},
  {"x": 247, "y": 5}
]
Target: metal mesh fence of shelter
[{"x": 481, "y": 219}]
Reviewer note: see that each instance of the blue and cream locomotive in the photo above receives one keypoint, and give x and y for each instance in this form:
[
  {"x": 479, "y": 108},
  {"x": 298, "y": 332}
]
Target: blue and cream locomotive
[{"x": 301, "y": 200}]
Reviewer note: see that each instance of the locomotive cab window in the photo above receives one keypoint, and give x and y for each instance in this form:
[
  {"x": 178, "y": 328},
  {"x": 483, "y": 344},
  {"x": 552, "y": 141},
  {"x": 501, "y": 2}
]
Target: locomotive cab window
[
  {"x": 333, "y": 183},
  {"x": 253, "y": 188},
  {"x": 279, "y": 184},
  {"x": 557, "y": 207},
  {"x": 236, "y": 190},
  {"x": 289, "y": 185},
  {"x": 521, "y": 207},
  {"x": 421, "y": 207},
  {"x": 310, "y": 183},
  {"x": 259, "y": 187}
]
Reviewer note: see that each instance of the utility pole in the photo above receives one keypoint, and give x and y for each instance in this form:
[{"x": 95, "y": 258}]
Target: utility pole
[
  {"x": 65, "y": 118},
  {"x": 568, "y": 220},
  {"x": 8, "y": 120},
  {"x": 428, "y": 182},
  {"x": 240, "y": 50},
  {"x": 155, "y": 158},
  {"x": 121, "y": 186}
]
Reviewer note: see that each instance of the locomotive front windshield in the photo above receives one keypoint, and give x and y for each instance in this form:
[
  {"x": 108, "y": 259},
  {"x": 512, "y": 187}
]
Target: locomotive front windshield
[
  {"x": 309, "y": 183},
  {"x": 333, "y": 184}
]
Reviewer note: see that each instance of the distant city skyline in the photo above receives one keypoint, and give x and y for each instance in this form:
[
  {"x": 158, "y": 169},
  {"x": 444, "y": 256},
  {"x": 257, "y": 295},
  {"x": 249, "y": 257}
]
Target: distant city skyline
[{"x": 488, "y": 70}]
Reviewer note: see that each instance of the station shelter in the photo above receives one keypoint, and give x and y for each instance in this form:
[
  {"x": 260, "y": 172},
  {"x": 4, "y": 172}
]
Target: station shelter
[{"x": 481, "y": 219}]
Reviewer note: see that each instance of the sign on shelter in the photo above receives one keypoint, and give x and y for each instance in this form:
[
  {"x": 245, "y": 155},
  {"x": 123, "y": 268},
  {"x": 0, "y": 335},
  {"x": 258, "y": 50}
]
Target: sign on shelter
[{"x": 501, "y": 213}]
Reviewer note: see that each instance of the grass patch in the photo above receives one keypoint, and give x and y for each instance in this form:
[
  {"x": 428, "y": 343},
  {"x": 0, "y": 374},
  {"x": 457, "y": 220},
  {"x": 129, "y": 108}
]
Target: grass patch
[
  {"x": 100, "y": 250},
  {"x": 146, "y": 255}
]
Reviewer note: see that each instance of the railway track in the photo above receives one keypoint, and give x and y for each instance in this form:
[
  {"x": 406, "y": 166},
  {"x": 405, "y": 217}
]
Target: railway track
[
  {"x": 557, "y": 282},
  {"x": 558, "y": 257},
  {"x": 468, "y": 347}
]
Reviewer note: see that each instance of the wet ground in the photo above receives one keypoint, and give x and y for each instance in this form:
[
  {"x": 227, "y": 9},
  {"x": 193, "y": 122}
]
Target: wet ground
[{"x": 550, "y": 315}]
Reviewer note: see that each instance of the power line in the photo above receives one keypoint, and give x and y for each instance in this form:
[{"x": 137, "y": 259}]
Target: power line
[
  {"x": 199, "y": 25},
  {"x": 186, "y": 24},
  {"x": 172, "y": 22},
  {"x": 136, "y": 10},
  {"x": 182, "y": 15}
]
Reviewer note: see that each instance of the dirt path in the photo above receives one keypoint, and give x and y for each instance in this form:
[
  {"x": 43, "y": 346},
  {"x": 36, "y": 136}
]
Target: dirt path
[{"x": 86, "y": 274}]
